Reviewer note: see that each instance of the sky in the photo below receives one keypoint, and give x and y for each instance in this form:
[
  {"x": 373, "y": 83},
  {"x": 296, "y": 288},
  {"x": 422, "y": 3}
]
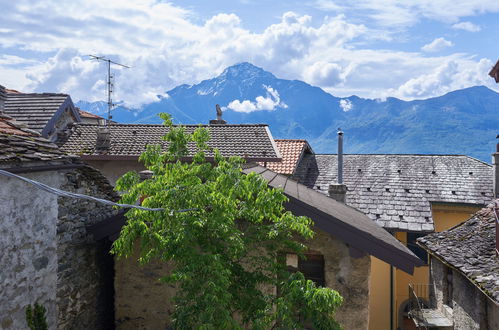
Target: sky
[{"x": 409, "y": 49}]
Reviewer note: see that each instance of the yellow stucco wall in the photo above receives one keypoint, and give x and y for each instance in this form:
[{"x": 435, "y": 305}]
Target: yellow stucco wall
[{"x": 444, "y": 216}]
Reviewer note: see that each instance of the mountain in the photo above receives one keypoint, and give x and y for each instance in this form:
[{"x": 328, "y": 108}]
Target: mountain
[{"x": 460, "y": 122}]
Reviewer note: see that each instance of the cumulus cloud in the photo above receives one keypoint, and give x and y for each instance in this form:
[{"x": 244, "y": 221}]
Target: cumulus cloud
[
  {"x": 270, "y": 102},
  {"x": 467, "y": 26},
  {"x": 346, "y": 105},
  {"x": 437, "y": 45},
  {"x": 447, "y": 77},
  {"x": 167, "y": 45}
]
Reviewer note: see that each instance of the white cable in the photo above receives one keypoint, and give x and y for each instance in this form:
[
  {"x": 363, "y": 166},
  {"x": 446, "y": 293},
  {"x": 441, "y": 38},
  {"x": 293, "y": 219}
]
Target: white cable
[{"x": 68, "y": 194}]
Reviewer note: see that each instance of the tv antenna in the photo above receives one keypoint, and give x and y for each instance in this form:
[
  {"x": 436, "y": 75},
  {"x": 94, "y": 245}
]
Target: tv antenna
[{"x": 110, "y": 83}]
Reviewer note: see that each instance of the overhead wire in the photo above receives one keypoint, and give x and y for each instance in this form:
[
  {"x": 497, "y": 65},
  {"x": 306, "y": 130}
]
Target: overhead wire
[{"x": 68, "y": 194}]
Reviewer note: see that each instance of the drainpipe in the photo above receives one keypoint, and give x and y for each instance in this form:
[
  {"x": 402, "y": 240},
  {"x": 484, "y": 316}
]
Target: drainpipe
[{"x": 391, "y": 297}]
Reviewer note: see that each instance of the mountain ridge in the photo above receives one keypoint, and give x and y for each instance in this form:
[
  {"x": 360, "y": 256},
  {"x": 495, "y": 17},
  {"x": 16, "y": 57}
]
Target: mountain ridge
[{"x": 459, "y": 122}]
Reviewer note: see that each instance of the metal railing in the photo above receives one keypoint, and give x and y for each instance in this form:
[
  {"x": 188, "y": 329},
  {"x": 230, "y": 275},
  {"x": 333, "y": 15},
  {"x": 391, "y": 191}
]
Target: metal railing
[{"x": 417, "y": 294}]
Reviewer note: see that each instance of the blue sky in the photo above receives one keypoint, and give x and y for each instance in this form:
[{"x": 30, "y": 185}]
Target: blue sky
[{"x": 371, "y": 48}]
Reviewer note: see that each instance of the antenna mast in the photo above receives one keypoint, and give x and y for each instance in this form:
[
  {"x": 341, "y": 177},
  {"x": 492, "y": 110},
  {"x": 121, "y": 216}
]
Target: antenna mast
[{"x": 110, "y": 83}]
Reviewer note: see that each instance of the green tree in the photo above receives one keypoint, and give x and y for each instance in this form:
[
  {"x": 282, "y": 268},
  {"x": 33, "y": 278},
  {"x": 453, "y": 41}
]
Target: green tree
[{"x": 223, "y": 233}]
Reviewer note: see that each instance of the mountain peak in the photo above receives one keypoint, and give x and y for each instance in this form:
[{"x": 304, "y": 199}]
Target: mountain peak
[{"x": 245, "y": 70}]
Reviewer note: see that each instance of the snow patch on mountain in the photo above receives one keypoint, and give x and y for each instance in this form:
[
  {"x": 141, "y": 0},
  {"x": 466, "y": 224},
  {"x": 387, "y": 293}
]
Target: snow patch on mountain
[{"x": 270, "y": 102}]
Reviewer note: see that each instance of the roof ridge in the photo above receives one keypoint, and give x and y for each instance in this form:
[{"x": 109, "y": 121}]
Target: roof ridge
[
  {"x": 185, "y": 125},
  {"x": 33, "y": 94}
]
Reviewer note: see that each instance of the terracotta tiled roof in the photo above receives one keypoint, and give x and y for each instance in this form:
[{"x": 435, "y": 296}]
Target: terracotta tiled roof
[
  {"x": 291, "y": 151},
  {"x": 86, "y": 114},
  {"x": 470, "y": 248},
  {"x": 397, "y": 190},
  {"x": 253, "y": 142},
  {"x": 18, "y": 144}
]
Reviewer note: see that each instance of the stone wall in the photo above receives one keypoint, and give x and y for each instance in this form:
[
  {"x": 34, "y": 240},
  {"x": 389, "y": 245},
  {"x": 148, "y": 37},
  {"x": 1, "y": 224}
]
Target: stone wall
[
  {"x": 28, "y": 243},
  {"x": 85, "y": 268},
  {"x": 48, "y": 257},
  {"x": 151, "y": 305},
  {"x": 471, "y": 309},
  {"x": 114, "y": 169}
]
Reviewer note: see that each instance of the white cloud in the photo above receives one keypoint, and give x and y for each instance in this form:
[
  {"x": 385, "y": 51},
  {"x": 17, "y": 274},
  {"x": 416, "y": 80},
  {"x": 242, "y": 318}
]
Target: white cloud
[
  {"x": 346, "y": 105},
  {"x": 437, "y": 45},
  {"x": 447, "y": 77},
  {"x": 467, "y": 26},
  {"x": 410, "y": 12},
  {"x": 166, "y": 45},
  {"x": 270, "y": 102}
]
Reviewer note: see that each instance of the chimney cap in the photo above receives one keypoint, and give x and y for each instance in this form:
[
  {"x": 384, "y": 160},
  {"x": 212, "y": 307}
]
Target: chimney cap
[{"x": 340, "y": 132}]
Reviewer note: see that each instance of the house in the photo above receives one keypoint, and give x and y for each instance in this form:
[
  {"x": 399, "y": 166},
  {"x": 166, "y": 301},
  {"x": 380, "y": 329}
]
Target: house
[
  {"x": 345, "y": 237},
  {"x": 464, "y": 274},
  {"x": 47, "y": 113},
  {"x": 464, "y": 271},
  {"x": 47, "y": 255},
  {"x": 410, "y": 196},
  {"x": 338, "y": 258},
  {"x": 292, "y": 152},
  {"x": 90, "y": 118},
  {"x": 115, "y": 149}
]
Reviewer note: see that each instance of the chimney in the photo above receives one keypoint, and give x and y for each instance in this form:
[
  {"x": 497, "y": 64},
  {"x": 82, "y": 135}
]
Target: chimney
[
  {"x": 103, "y": 142},
  {"x": 219, "y": 120},
  {"x": 338, "y": 191},
  {"x": 3, "y": 98},
  {"x": 495, "y": 163}
]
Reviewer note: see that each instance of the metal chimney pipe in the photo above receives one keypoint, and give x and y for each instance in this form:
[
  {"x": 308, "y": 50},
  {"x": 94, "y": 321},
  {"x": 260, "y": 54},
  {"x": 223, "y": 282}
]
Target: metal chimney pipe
[{"x": 340, "y": 156}]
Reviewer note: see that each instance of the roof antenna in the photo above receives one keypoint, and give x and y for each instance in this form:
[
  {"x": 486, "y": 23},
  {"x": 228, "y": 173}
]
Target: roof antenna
[{"x": 110, "y": 84}]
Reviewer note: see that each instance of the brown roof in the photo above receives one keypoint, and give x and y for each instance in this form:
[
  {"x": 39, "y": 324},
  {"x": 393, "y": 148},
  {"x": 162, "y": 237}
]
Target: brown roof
[
  {"x": 470, "y": 249},
  {"x": 128, "y": 141},
  {"x": 86, "y": 114},
  {"x": 494, "y": 72},
  {"x": 341, "y": 221},
  {"x": 397, "y": 191},
  {"x": 18, "y": 144},
  {"x": 291, "y": 151}
]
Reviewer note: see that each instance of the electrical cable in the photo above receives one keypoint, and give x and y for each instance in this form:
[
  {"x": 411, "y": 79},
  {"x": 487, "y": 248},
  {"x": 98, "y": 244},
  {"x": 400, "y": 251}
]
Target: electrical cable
[{"x": 68, "y": 194}]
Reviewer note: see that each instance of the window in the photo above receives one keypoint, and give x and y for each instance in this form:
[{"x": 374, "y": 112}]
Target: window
[
  {"x": 416, "y": 249},
  {"x": 312, "y": 267}
]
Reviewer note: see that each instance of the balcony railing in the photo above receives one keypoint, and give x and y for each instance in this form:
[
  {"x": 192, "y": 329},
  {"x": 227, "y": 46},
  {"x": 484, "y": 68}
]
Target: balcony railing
[{"x": 419, "y": 312}]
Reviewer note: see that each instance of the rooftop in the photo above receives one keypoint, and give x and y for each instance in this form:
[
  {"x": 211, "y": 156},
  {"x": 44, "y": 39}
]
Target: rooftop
[
  {"x": 18, "y": 144},
  {"x": 292, "y": 152},
  {"x": 470, "y": 249},
  {"x": 128, "y": 141},
  {"x": 396, "y": 191},
  {"x": 34, "y": 110}
]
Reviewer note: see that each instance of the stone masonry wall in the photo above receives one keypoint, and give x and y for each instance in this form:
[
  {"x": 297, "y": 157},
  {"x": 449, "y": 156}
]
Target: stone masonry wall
[
  {"x": 142, "y": 302},
  {"x": 28, "y": 249},
  {"x": 470, "y": 308},
  {"x": 85, "y": 268}
]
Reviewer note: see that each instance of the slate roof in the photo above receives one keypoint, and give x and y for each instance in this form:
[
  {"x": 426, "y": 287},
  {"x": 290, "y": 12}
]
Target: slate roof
[
  {"x": 38, "y": 111},
  {"x": 128, "y": 141},
  {"x": 292, "y": 152},
  {"x": 397, "y": 190},
  {"x": 18, "y": 144},
  {"x": 341, "y": 221},
  {"x": 470, "y": 249}
]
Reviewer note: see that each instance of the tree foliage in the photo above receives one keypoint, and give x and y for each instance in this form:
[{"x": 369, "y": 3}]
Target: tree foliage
[
  {"x": 35, "y": 317},
  {"x": 223, "y": 234}
]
